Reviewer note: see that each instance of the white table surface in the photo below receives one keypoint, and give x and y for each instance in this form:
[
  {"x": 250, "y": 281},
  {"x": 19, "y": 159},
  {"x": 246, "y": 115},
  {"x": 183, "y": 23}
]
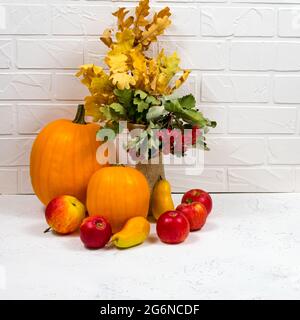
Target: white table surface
[{"x": 249, "y": 249}]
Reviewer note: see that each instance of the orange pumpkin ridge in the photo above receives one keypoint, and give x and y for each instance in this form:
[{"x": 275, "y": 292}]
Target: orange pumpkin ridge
[{"x": 63, "y": 158}]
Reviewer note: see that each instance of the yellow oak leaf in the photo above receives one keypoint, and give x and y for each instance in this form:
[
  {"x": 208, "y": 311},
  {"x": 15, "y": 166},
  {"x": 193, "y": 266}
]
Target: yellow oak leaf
[
  {"x": 164, "y": 12},
  {"x": 126, "y": 36},
  {"x": 181, "y": 80},
  {"x": 153, "y": 71},
  {"x": 139, "y": 68},
  {"x": 88, "y": 72},
  {"x": 162, "y": 83},
  {"x": 128, "y": 22},
  {"x": 125, "y": 42},
  {"x": 169, "y": 65},
  {"x": 138, "y": 60},
  {"x": 106, "y": 38},
  {"x": 161, "y": 71},
  {"x": 141, "y": 12},
  {"x": 122, "y": 80},
  {"x": 156, "y": 28},
  {"x": 117, "y": 62},
  {"x": 105, "y": 98},
  {"x": 102, "y": 85},
  {"x": 89, "y": 69},
  {"x": 95, "y": 102},
  {"x": 123, "y": 22},
  {"x": 92, "y": 108}
]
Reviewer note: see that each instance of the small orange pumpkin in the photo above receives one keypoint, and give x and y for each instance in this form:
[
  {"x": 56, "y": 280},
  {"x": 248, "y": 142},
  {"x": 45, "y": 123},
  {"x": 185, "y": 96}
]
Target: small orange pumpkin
[
  {"x": 118, "y": 193},
  {"x": 63, "y": 158}
]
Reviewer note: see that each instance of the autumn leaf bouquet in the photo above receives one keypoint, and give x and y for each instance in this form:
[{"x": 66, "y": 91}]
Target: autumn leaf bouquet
[{"x": 139, "y": 88}]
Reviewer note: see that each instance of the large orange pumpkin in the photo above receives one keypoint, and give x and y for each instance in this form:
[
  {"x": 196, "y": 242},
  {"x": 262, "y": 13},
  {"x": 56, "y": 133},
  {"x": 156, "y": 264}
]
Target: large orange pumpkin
[
  {"x": 118, "y": 193},
  {"x": 63, "y": 158}
]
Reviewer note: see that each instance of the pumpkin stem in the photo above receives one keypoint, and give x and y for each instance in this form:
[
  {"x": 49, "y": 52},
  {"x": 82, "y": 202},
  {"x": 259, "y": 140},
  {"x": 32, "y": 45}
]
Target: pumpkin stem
[{"x": 79, "y": 118}]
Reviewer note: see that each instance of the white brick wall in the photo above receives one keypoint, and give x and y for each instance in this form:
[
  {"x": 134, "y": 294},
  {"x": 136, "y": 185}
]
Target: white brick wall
[
  {"x": 245, "y": 56},
  {"x": 237, "y": 21},
  {"x": 49, "y": 53}
]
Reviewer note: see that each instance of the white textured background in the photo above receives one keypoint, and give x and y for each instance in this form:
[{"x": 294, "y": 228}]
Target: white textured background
[{"x": 245, "y": 56}]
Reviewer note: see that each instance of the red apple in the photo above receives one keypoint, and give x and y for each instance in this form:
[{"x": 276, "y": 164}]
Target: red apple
[
  {"x": 195, "y": 212},
  {"x": 95, "y": 232},
  {"x": 172, "y": 227},
  {"x": 64, "y": 214},
  {"x": 198, "y": 195}
]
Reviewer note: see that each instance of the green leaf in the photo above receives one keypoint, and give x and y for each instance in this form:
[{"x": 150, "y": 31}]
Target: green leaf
[
  {"x": 118, "y": 108},
  {"x": 124, "y": 97},
  {"x": 105, "y": 110},
  {"x": 188, "y": 102},
  {"x": 187, "y": 114},
  {"x": 143, "y": 95},
  {"x": 141, "y": 104},
  {"x": 156, "y": 112},
  {"x": 152, "y": 100},
  {"x": 173, "y": 106},
  {"x": 194, "y": 117},
  {"x": 114, "y": 112}
]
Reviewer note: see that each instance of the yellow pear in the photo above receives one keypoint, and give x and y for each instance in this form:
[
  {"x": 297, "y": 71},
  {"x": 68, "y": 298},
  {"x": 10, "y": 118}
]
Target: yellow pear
[
  {"x": 161, "y": 198},
  {"x": 134, "y": 232}
]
